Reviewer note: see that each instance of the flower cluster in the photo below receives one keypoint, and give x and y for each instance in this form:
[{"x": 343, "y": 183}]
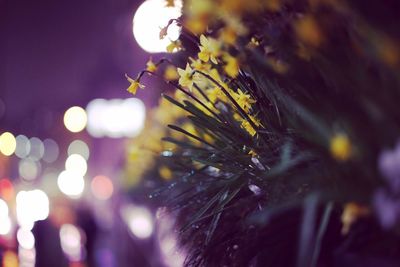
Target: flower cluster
[{"x": 387, "y": 200}]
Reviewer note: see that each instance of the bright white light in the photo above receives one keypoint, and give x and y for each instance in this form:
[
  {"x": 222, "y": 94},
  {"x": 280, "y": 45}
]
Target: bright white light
[
  {"x": 75, "y": 119},
  {"x": 3, "y": 209},
  {"x": 23, "y": 146},
  {"x": 5, "y": 222},
  {"x": 79, "y": 147},
  {"x": 25, "y": 238},
  {"x": 26, "y": 257},
  {"x": 5, "y": 225},
  {"x": 71, "y": 184},
  {"x": 139, "y": 220},
  {"x": 8, "y": 143},
  {"x": 51, "y": 150},
  {"x": 31, "y": 206},
  {"x": 28, "y": 169},
  {"x": 70, "y": 238},
  {"x": 77, "y": 164},
  {"x": 115, "y": 118},
  {"x": 149, "y": 18}
]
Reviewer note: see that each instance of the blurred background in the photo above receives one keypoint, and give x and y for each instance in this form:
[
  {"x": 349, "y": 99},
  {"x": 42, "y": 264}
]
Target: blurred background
[{"x": 65, "y": 120}]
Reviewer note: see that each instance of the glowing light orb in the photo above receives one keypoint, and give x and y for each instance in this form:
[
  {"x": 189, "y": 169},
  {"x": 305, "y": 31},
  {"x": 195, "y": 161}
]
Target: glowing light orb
[
  {"x": 51, "y": 150},
  {"x": 25, "y": 238},
  {"x": 71, "y": 184},
  {"x": 102, "y": 187},
  {"x": 115, "y": 118},
  {"x": 79, "y": 147},
  {"x": 149, "y": 18},
  {"x": 77, "y": 164},
  {"x": 139, "y": 220},
  {"x": 23, "y": 146},
  {"x": 8, "y": 143},
  {"x": 32, "y": 206},
  {"x": 28, "y": 169},
  {"x": 70, "y": 239},
  {"x": 75, "y": 119}
]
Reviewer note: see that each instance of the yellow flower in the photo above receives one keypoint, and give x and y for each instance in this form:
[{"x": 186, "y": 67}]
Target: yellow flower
[
  {"x": 189, "y": 127},
  {"x": 232, "y": 65},
  {"x": 150, "y": 66},
  {"x": 340, "y": 147},
  {"x": 134, "y": 85},
  {"x": 170, "y": 73},
  {"x": 215, "y": 94},
  {"x": 197, "y": 64},
  {"x": 247, "y": 126},
  {"x": 186, "y": 76},
  {"x": 244, "y": 100},
  {"x": 253, "y": 153},
  {"x": 210, "y": 49},
  {"x": 174, "y": 45},
  {"x": 308, "y": 31},
  {"x": 165, "y": 173},
  {"x": 169, "y": 3},
  {"x": 228, "y": 35},
  {"x": 351, "y": 212}
]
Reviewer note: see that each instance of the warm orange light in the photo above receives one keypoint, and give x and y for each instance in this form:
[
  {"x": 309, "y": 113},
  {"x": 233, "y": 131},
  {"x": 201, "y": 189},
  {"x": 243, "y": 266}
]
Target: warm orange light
[
  {"x": 102, "y": 187},
  {"x": 6, "y": 189}
]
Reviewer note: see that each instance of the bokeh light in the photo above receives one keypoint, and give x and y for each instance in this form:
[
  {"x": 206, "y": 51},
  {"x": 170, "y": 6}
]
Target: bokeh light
[
  {"x": 51, "y": 150},
  {"x": 5, "y": 222},
  {"x": 25, "y": 238},
  {"x": 149, "y": 18},
  {"x": 115, "y": 118},
  {"x": 37, "y": 148},
  {"x": 71, "y": 184},
  {"x": 102, "y": 187},
  {"x": 6, "y": 189},
  {"x": 23, "y": 146},
  {"x": 8, "y": 143},
  {"x": 77, "y": 164},
  {"x": 75, "y": 119},
  {"x": 79, "y": 147},
  {"x": 31, "y": 206},
  {"x": 10, "y": 259},
  {"x": 139, "y": 220},
  {"x": 71, "y": 242},
  {"x": 28, "y": 169}
]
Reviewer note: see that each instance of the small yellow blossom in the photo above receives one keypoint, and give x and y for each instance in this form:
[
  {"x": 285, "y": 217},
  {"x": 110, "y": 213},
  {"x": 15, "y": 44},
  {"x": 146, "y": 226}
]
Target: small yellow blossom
[
  {"x": 174, "y": 45},
  {"x": 351, "y": 212},
  {"x": 247, "y": 126},
  {"x": 308, "y": 31},
  {"x": 165, "y": 173},
  {"x": 189, "y": 127},
  {"x": 186, "y": 76},
  {"x": 150, "y": 66},
  {"x": 134, "y": 85},
  {"x": 197, "y": 64},
  {"x": 232, "y": 65},
  {"x": 209, "y": 139},
  {"x": 169, "y": 3},
  {"x": 244, "y": 100},
  {"x": 215, "y": 94},
  {"x": 253, "y": 153},
  {"x": 210, "y": 49},
  {"x": 340, "y": 147},
  {"x": 171, "y": 73},
  {"x": 228, "y": 35}
]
